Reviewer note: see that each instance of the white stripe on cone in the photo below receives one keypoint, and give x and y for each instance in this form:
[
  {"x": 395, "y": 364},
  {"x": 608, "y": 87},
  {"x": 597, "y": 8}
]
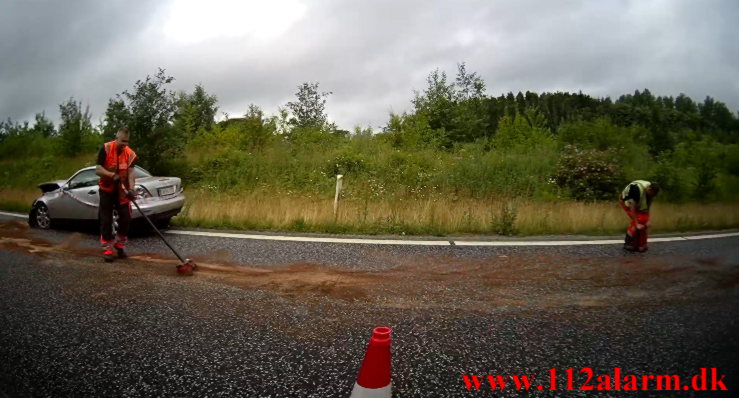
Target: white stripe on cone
[{"x": 362, "y": 392}]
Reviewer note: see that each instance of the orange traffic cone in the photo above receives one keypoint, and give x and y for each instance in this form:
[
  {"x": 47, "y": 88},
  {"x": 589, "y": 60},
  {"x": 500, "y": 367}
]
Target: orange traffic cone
[{"x": 374, "y": 375}]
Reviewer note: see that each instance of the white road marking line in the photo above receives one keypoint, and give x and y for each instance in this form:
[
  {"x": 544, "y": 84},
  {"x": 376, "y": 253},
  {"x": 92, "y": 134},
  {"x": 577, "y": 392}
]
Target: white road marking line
[
  {"x": 540, "y": 243},
  {"x": 13, "y": 214},
  {"x": 442, "y": 242},
  {"x": 711, "y": 236},
  {"x": 590, "y": 242},
  {"x": 426, "y": 242},
  {"x": 315, "y": 239}
]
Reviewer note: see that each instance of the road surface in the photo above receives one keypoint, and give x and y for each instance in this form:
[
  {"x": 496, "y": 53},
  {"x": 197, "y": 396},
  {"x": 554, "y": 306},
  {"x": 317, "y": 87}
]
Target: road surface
[{"x": 283, "y": 318}]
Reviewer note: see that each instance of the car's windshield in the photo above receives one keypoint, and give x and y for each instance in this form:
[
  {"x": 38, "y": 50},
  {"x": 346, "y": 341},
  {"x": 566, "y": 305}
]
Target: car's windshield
[
  {"x": 141, "y": 173},
  {"x": 83, "y": 179},
  {"x": 88, "y": 178}
]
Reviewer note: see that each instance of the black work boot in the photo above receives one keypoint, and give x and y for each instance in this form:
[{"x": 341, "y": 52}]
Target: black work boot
[
  {"x": 108, "y": 256},
  {"x": 121, "y": 252},
  {"x": 629, "y": 243}
]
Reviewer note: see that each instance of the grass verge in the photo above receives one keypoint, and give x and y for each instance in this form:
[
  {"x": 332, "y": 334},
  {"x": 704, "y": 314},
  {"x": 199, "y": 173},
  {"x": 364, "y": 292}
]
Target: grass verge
[
  {"x": 263, "y": 210},
  {"x": 18, "y": 200},
  {"x": 441, "y": 216}
]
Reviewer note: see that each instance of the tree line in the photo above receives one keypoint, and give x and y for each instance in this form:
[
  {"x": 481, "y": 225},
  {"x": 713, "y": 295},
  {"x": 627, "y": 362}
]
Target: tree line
[{"x": 585, "y": 145}]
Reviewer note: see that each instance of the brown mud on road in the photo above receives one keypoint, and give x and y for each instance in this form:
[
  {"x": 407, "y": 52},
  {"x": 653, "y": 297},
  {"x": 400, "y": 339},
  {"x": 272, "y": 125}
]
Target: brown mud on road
[{"x": 522, "y": 281}]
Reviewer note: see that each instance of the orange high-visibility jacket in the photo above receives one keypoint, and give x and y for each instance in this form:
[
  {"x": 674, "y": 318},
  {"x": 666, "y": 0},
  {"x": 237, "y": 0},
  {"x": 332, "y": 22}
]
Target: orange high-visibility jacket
[{"x": 123, "y": 162}]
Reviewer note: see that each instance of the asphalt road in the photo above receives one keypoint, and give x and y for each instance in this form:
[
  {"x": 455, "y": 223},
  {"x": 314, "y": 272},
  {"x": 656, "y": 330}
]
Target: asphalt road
[{"x": 267, "y": 318}]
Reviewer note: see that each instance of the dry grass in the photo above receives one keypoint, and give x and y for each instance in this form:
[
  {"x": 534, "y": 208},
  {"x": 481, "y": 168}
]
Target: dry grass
[
  {"x": 441, "y": 216},
  {"x": 265, "y": 210},
  {"x": 19, "y": 200}
]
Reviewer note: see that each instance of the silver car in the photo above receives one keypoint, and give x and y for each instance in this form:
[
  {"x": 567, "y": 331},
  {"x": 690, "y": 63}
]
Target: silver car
[{"x": 76, "y": 199}]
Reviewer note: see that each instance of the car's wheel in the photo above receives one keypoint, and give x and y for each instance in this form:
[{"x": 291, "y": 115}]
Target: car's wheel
[{"x": 39, "y": 217}]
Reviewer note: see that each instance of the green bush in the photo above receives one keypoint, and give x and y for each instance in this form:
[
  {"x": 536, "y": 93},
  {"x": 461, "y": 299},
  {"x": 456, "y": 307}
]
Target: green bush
[
  {"x": 589, "y": 173},
  {"x": 503, "y": 222},
  {"x": 519, "y": 171},
  {"x": 703, "y": 158},
  {"x": 673, "y": 180},
  {"x": 26, "y": 145},
  {"x": 413, "y": 132},
  {"x": 345, "y": 163},
  {"x": 524, "y": 130},
  {"x": 732, "y": 160},
  {"x": 600, "y": 134}
]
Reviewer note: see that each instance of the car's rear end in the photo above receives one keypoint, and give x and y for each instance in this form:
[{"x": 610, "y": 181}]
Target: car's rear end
[{"x": 160, "y": 198}]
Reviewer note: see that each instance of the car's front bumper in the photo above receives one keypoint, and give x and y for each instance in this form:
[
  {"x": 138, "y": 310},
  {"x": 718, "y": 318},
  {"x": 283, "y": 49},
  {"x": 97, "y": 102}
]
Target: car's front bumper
[{"x": 157, "y": 208}]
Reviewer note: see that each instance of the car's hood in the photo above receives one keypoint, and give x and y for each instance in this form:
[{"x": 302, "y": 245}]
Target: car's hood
[{"x": 51, "y": 185}]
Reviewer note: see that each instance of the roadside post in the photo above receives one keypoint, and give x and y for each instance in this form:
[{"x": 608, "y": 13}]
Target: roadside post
[{"x": 339, "y": 181}]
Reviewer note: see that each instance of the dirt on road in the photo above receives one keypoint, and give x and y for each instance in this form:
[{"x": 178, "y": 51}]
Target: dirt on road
[{"x": 523, "y": 281}]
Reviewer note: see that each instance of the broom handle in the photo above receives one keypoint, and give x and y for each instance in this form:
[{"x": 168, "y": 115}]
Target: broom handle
[{"x": 153, "y": 226}]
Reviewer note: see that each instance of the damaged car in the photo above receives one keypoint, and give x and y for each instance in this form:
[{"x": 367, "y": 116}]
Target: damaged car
[{"x": 75, "y": 200}]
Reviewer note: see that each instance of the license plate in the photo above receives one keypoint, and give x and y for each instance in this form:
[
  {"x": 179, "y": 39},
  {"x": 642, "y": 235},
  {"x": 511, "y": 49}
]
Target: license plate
[{"x": 166, "y": 191}]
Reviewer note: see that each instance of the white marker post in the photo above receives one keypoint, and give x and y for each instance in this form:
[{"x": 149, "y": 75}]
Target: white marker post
[{"x": 339, "y": 180}]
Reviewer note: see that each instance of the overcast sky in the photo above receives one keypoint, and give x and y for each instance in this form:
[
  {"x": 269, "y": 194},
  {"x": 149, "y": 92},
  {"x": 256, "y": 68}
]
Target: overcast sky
[{"x": 370, "y": 54}]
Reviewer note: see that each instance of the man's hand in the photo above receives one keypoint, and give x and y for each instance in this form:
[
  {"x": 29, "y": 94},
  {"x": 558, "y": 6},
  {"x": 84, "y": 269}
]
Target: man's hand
[
  {"x": 639, "y": 226},
  {"x": 131, "y": 195},
  {"x": 116, "y": 177}
]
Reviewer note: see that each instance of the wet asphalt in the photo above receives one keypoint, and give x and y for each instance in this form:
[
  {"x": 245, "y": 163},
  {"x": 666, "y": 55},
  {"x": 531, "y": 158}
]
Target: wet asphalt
[{"x": 68, "y": 331}]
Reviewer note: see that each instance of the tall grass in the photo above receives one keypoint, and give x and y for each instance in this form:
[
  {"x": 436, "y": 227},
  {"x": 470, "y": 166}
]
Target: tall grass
[
  {"x": 266, "y": 210},
  {"x": 18, "y": 200},
  {"x": 259, "y": 210}
]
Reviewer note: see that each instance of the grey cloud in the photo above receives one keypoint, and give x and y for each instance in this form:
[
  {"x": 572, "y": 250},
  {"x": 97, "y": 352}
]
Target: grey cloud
[
  {"x": 372, "y": 55},
  {"x": 47, "y": 47}
]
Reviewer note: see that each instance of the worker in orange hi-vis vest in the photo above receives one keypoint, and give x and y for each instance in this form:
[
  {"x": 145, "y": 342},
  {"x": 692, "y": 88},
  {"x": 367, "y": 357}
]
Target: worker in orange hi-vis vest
[
  {"x": 636, "y": 199},
  {"x": 115, "y": 167}
]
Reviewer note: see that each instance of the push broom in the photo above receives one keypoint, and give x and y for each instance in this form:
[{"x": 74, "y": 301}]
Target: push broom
[{"x": 186, "y": 267}]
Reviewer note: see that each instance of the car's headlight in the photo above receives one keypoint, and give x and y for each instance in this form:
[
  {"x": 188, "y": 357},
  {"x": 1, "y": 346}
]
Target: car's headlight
[{"x": 141, "y": 192}]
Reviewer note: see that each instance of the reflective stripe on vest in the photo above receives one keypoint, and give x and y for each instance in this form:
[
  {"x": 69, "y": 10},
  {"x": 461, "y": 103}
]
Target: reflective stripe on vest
[{"x": 643, "y": 203}]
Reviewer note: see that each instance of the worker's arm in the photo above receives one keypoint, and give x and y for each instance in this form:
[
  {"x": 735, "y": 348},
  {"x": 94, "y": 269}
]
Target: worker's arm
[{"x": 101, "y": 172}]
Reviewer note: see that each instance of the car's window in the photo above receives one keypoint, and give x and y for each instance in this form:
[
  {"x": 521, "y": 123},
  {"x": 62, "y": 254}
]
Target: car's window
[
  {"x": 88, "y": 178},
  {"x": 83, "y": 179},
  {"x": 141, "y": 173}
]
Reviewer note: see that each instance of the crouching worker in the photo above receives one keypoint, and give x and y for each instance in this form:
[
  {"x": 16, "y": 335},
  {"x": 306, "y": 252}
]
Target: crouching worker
[
  {"x": 636, "y": 199},
  {"x": 115, "y": 167}
]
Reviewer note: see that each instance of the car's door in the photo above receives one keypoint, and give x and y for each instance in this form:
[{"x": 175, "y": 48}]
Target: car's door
[{"x": 80, "y": 197}]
